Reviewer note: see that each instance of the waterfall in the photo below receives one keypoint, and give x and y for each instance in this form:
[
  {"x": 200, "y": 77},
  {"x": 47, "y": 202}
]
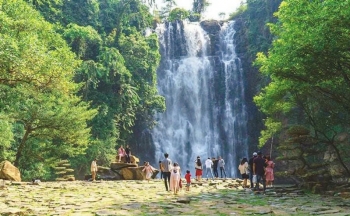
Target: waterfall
[{"x": 206, "y": 112}]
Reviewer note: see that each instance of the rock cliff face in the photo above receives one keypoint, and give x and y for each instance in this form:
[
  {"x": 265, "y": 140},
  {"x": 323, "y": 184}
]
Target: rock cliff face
[{"x": 213, "y": 28}]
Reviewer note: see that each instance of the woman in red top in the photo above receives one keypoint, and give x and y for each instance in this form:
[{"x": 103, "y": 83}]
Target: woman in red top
[
  {"x": 188, "y": 180},
  {"x": 199, "y": 169}
]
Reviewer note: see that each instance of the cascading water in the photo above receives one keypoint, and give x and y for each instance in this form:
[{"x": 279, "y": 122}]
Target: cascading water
[{"x": 197, "y": 122}]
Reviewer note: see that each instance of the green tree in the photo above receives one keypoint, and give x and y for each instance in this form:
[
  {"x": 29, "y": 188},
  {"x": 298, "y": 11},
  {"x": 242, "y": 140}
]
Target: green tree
[
  {"x": 199, "y": 6},
  {"x": 141, "y": 59},
  {"x": 178, "y": 14},
  {"x": 309, "y": 70},
  {"x": 84, "y": 41},
  {"x": 38, "y": 92}
]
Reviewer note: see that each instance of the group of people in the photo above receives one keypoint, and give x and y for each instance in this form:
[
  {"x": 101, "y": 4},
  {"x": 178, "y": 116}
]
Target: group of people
[
  {"x": 211, "y": 164},
  {"x": 171, "y": 173},
  {"x": 259, "y": 169},
  {"x": 124, "y": 153}
]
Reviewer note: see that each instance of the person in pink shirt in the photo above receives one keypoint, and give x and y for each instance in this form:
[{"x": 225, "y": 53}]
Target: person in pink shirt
[
  {"x": 270, "y": 165},
  {"x": 149, "y": 171},
  {"x": 121, "y": 153}
]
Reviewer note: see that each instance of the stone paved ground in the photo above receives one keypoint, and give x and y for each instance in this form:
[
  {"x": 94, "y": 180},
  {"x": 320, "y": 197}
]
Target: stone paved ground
[{"x": 143, "y": 198}]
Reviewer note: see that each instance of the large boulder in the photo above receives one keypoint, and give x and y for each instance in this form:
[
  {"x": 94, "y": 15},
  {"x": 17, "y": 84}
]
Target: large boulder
[
  {"x": 118, "y": 166},
  {"x": 132, "y": 173},
  {"x": 106, "y": 173},
  {"x": 133, "y": 159},
  {"x": 129, "y": 171},
  {"x": 9, "y": 172}
]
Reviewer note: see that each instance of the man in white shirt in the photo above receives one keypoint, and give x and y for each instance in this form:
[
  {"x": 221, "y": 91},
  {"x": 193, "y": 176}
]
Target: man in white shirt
[
  {"x": 208, "y": 167},
  {"x": 94, "y": 169}
]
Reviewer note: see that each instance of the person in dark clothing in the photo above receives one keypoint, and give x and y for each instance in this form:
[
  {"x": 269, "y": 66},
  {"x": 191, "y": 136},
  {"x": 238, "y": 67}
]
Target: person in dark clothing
[
  {"x": 166, "y": 168},
  {"x": 215, "y": 167},
  {"x": 259, "y": 170},
  {"x": 127, "y": 154},
  {"x": 161, "y": 169},
  {"x": 250, "y": 163}
]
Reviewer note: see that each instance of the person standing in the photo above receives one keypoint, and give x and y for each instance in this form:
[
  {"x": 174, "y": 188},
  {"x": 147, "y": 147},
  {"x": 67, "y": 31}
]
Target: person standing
[
  {"x": 208, "y": 166},
  {"x": 259, "y": 171},
  {"x": 166, "y": 169},
  {"x": 161, "y": 169},
  {"x": 270, "y": 165},
  {"x": 188, "y": 180},
  {"x": 250, "y": 163},
  {"x": 199, "y": 169},
  {"x": 94, "y": 169},
  {"x": 127, "y": 153},
  {"x": 148, "y": 169},
  {"x": 215, "y": 167},
  {"x": 222, "y": 166},
  {"x": 243, "y": 169},
  {"x": 175, "y": 178}
]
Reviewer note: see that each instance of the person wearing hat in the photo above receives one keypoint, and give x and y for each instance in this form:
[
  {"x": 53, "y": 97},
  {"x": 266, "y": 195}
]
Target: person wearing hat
[
  {"x": 259, "y": 170},
  {"x": 250, "y": 163}
]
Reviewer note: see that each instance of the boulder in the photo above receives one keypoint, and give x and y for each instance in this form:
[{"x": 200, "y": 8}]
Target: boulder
[
  {"x": 118, "y": 166},
  {"x": 133, "y": 159},
  {"x": 107, "y": 173},
  {"x": 132, "y": 173},
  {"x": 9, "y": 172}
]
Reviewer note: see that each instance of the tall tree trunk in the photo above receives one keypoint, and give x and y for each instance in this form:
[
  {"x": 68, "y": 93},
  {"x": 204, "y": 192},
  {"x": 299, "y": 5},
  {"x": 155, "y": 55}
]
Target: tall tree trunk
[
  {"x": 340, "y": 158},
  {"x": 21, "y": 147}
]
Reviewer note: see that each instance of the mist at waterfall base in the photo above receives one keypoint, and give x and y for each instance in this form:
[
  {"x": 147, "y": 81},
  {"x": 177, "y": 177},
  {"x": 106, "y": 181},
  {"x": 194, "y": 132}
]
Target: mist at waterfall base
[{"x": 205, "y": 97}]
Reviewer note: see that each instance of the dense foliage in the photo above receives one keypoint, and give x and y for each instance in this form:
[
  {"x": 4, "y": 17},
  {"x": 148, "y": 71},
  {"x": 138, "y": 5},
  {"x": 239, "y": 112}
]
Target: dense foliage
[
  {"x": 42, "y": 118},
  {"x": 77, "y": 79},
  {"x": 74, "y": 89},
  {"x": 309, "y": 68}
]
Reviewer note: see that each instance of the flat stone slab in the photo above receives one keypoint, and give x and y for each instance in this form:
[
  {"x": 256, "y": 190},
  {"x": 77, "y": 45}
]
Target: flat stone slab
[{"x": 150, "y": 198}]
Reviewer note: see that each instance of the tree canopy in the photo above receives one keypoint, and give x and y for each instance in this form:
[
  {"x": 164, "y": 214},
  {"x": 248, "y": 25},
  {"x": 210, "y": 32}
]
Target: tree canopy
[
  {"x": 76, "y": 78},
  {"x": 309, "y": 68},
  {"x": 39, "y": 106}
]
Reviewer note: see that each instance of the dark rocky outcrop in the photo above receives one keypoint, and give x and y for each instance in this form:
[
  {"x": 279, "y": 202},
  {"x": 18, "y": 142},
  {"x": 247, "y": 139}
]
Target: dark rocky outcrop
[{"x": 213, "y": 28}]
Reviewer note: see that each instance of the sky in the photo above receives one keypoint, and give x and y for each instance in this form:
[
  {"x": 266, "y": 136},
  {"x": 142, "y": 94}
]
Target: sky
[{"x": 215, "y": 7}]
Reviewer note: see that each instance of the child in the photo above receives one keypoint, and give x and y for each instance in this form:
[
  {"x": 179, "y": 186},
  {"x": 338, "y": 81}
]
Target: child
[
  {"x": 149, "y": 171},
  {"x": 188, "y": 180}
]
